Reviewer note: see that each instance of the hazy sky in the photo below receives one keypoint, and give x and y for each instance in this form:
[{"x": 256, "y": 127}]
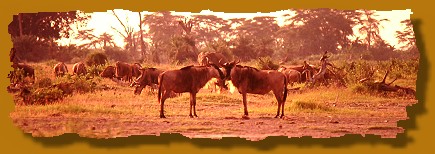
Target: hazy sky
[{"x": 103, "y": 21}]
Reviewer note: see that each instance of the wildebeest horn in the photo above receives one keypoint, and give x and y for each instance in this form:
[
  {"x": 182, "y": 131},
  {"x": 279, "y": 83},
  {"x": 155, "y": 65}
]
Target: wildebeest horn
[
  {"x": 238, "y": 61},
  {"x": 208, "y": 61}
]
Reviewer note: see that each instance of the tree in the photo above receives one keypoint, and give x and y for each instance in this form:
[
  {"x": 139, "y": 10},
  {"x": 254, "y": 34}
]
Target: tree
[
  {"x": 370, "y": 26},
  {"x": 163, "y": 26},
  {"x": 127, "y": 33},
  {"x": 321, "y": 30},
  {"x": 406, "y": 36},
  {"x": 47, "y": 25}
]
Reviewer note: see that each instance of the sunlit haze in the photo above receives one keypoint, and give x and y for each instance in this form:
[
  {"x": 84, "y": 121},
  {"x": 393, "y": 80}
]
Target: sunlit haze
[{"x": 103, "y": 22}]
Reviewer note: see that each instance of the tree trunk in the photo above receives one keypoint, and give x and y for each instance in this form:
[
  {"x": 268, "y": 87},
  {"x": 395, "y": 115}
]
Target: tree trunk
[
  {"x": 142, "y": 43},
  {"x": 20, "y": 24}
]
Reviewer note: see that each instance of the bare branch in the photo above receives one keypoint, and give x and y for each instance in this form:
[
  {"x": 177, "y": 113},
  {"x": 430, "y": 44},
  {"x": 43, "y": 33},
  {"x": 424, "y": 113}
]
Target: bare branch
[
  {"x": 119, "y": 32},
  {"x": 120, "y": 21}
]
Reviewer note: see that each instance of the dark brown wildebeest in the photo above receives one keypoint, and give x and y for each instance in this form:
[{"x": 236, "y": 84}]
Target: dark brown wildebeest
[
  {"x": 123, "y": 70},
  {"x": 207, "y": 58},
  {"x": 251, "y": 80},
  {"x": 29, "y": 71},
  {"x": 187, "y": 79},
  {"x": 148, "y": 77},
  {"x": 79, "y": 69},
  {"x": 135, "y": 70},
  {"x": 60, "y": 69},
  {"x": 108, "y": 72}
]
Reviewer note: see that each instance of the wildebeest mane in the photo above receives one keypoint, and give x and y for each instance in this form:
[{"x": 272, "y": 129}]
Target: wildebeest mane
[{"x": 186, "y": 67}]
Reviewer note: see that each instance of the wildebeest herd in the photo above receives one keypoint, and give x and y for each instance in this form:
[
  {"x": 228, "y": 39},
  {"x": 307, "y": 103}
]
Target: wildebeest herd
[{"x": 213, "y": 66}]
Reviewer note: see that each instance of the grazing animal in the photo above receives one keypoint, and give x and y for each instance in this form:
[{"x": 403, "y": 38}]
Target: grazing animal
[
  {"x": 187, "y": 79},
  {"x": 207, "y": 58},
  {"x": 254, "y": 81},
  {"x": 79, "y": 69},
  {"x": 148, "y": 77},
  {"x": 108, "y": 72},
  {"x": 29, "y": 71},
  {"x": 135, "y": 70},
  {"x": 60, "y": 69},
  {"x": 292, "y": 75},
  {"x": 123, "y": 71}
]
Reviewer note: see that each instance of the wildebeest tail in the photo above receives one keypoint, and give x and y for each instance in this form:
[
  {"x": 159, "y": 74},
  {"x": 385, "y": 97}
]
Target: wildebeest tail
[
  {"x": 159, "y": 94},
  {"x": 285, "y": 89}
]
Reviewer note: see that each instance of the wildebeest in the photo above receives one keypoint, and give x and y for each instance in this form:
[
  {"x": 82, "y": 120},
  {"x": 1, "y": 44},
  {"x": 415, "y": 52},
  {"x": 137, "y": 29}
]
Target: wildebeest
[
  {"x": 207, "y": 58},
  {"x": 148, "y": 77},
  {"x": 187, "y": 79},
  {"x": 135, "y": 70},
  {"x": 123, "y": 70},
  {"x": 60, "y": 69},
  {"x": 108, "y": 72},
  {"x": 79, "y": 68},
  {"x": 29, "y": 71},
  {"x": 251, "y": 80},
  {"x": 292, "y": 75}
]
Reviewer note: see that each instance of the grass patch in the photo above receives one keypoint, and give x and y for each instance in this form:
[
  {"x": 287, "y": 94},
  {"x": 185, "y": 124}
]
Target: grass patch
[{"x": 308, "y": 105}]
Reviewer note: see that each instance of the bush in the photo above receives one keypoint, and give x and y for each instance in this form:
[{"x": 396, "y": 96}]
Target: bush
[
  {"x": 117, "y": 54},
  {"x": 44, "y": 82},
  {"x": 266, "y": 63},
  {"x": 96, "y": 58}
]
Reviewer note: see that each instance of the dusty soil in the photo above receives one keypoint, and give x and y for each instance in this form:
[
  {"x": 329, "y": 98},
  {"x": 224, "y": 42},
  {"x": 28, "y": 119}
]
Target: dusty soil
[{"x": 217, "y": 120}]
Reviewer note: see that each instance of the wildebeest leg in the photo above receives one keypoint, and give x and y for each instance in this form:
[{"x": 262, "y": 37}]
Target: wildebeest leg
[
  {"x": 282, "y": 109},
  {"x": 193, "y": 96},
  {"x": 244, "y": 104},
  {"x": 191, "y": 105},
  {"x": 277, "y": 111},
  {"x": 162, "y": 102},
  {"x": 278, "y": 97}
]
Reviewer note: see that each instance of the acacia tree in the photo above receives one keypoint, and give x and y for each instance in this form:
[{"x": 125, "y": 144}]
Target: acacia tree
[
  {"x": 370, "y": 26},
  {"x": 407, "y": 36},
  {"x": 47, "y": 25},
  {"x": 321, "y": 30},
  {"x": 162, "y": 28},
  {"x": 34, "y": 34}
]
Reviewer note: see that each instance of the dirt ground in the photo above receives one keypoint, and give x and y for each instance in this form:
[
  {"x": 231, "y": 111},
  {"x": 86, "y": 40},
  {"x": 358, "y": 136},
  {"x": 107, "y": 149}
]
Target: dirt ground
[{"x": 217, "y": 120}]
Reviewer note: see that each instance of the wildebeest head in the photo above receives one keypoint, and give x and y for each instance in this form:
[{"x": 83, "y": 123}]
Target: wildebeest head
[
  {"x": 221, "y": 80},
  {"x": 228, "y": 67},
  {"x": 207, "y": 58},
  {"x": 148, "y": 77},
  {"x": 108, "y": 72}
]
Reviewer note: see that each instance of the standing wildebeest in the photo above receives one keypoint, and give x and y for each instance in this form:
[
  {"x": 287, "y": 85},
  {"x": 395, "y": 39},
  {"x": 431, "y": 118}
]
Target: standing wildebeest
[
  {"x": 207, "y": 58},
  {"x": 79, "y": 68},
  {"x": 123, "y": 70},
  {"x": 148, "y": 77},
  {"x": 60, "y": 69},
  {"x": 254, "y": 81},
  {"x": 135, "y": 70},
  {"x": 187, "y": 79},
  {"x": 108, "y": 72}
]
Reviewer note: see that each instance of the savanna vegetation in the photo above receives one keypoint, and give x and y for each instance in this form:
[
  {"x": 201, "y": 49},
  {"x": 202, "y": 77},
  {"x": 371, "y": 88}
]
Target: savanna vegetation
[{"x": 353, "y": 102}]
